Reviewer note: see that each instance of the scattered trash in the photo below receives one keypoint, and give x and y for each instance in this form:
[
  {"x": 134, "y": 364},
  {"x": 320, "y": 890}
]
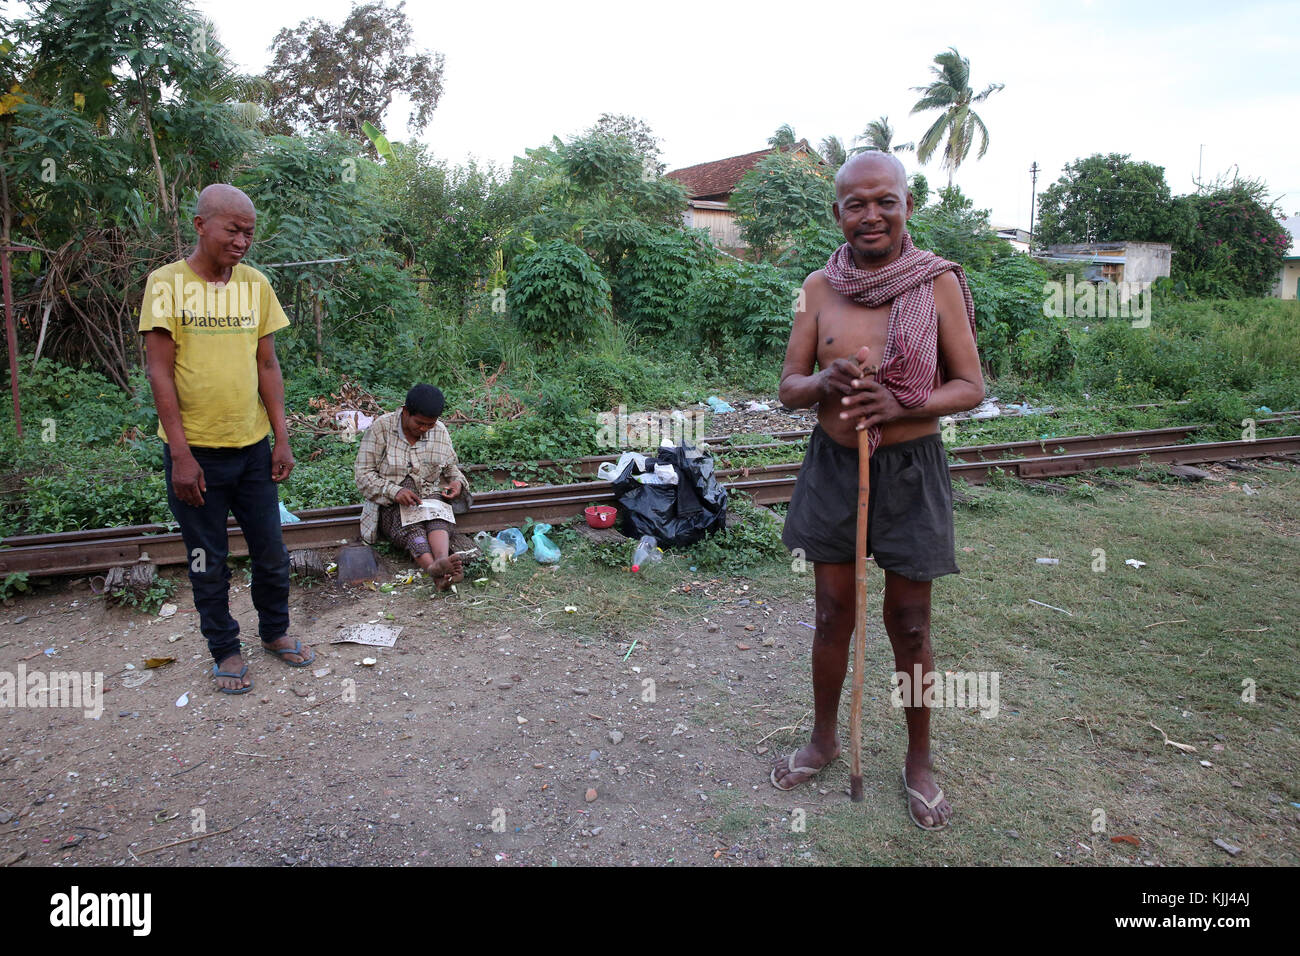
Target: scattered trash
[
  {"x": 600, "y": 516},
  {"x": 183, "y": 700},
  {"x": 1185, "y": 748},
  {"x": 49, "y": 652},
  {"x": 570, "y": 609},
  {"x": 153, "y": 662},
  {"x": 1248, "y": 490},
  {"x": 1206, "y": 763},
  {"x": 132, "y": 681},
  {"x": 371, "y": 633},
  {"x": 810, "y": 627},
  {"x": 757, "y": 407},
  {"x": 521, "y": 720},
  {"x": 647, "y": 552},
  {"x": 635, "y": 640},
  {"x": 167, "y": 610},
  {"x": 1135, "y": 563},
  {"x": 352, "y": 420},
  {"x": 174, "y": 638},
  {"x": 1051, "y": 606},
  {"x": 1226, "y": 847},
  {"x": 544, "y": 549},
  {"x": 718, "y": 406},
  {"x": 368, "y": 662},
  {"x": 357, "y": 563},
  {"x": 1264, "y": 410},
  {"x": 610, "y": 470},
  {"x": 287, "y": 516},
  {"x": 986, "y": 409},
  {"x": 675, "y": 514},
  {"x": 1048, "y": 561},
  {"x": 515, "y": 539},
  {"x": 321, "y": 672}
]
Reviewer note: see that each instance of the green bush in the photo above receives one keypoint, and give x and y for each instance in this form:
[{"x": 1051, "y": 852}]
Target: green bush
[
  {"x": 1008, "y": 298},
  {"x": 85, "y": 487},
  {"x": 809, "y": 250},
  {"x": 556, "y": 293},
  {"x": 750, "y": 303},
  {"x": 654, "y": 276}
]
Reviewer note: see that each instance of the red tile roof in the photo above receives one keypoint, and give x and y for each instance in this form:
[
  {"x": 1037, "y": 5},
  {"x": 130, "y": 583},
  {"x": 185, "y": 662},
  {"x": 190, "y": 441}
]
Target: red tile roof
[{"x": 720, "y": 177}]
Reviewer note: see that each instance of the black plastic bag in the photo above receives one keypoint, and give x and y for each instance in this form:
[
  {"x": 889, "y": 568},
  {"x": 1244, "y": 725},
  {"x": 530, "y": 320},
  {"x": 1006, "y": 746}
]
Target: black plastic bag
[{"x": 679, "y": 514}]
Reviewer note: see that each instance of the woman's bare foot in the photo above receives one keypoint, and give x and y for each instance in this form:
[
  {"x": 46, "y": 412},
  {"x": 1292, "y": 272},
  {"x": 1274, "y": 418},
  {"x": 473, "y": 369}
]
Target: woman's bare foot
[{"x": 447, "y": 571}]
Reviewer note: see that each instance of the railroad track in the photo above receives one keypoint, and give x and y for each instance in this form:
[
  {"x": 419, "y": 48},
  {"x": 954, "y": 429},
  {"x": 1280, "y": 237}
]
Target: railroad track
[{"x": 77, "y": 552}]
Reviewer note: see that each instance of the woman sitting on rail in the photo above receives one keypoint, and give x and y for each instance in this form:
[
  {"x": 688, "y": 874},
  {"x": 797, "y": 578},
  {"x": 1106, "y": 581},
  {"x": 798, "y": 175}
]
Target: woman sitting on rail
[{"x": 407, "y": 462}]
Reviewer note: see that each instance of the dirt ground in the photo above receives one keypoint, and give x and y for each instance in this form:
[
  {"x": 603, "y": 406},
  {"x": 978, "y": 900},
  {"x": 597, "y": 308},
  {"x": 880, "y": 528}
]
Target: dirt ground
[{"x": 459, "y": 728}]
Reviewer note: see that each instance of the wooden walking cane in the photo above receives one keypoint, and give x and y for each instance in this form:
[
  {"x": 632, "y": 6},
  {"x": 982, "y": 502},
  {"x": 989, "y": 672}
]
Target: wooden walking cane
[{"x": 860, "y": 607}]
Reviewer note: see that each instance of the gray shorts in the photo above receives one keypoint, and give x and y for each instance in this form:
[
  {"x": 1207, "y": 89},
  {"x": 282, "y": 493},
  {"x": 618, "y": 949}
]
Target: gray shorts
[{"x": 909, "y": 527}]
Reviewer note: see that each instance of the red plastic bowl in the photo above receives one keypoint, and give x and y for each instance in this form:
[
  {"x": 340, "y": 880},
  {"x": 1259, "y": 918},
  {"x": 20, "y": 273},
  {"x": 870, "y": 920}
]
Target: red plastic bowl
[{"x": 601, "y": 516}]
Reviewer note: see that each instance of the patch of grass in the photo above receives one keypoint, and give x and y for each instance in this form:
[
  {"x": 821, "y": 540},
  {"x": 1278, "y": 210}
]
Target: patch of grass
[{"x": 1169, "y": 644}]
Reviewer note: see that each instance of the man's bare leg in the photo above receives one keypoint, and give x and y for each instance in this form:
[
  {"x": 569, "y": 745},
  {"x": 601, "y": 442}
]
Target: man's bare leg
[
  {"x": 907, "y": 622},
  {"x": 830, "y": 662}
]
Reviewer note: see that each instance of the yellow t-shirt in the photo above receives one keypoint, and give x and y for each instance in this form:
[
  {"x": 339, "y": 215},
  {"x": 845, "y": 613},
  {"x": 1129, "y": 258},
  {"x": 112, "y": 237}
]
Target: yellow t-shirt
[{"x": 216, "y": 328}]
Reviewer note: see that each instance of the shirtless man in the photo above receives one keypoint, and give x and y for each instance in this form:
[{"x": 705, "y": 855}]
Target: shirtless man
[{"x": 876, "y": 287}]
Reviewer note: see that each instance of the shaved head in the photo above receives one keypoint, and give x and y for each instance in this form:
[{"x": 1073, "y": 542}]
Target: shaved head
[
  {"x": 219, "y": 198},
  {"x": 872, "y": 161}
]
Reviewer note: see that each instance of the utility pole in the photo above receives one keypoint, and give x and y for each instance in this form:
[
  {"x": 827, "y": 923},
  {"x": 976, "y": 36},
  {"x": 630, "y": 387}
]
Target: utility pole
[{"x": 1033, "y": 199}]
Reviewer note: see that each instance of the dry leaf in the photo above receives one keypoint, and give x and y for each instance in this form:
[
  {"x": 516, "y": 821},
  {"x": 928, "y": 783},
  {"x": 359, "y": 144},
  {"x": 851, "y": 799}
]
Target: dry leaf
[
  {"x": 1126, "y": 838},
  {"x": 159, "y": 661}
]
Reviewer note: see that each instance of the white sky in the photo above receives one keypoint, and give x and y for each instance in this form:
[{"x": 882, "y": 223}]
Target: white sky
[{"x": 1158, "y": 80}]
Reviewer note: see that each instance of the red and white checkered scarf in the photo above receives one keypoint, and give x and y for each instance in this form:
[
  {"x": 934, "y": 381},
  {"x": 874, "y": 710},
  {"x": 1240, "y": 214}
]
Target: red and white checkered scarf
[{"x": 910, "y": 366}]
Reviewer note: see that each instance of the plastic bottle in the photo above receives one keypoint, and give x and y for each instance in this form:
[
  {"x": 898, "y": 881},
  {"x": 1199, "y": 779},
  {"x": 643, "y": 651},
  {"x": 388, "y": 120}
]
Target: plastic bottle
[{"x": 647, "y": 552}]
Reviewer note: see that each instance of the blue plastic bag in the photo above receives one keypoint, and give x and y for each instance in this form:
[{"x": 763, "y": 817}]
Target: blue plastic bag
[
  {"x": 515, "y": 538},
  {"x": 544, "y": 549},
  {"x": 287, "y": 516}
]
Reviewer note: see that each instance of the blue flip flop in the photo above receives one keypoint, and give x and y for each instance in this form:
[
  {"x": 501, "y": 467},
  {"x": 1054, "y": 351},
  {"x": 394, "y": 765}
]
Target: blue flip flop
[
  {"x": 239, "y": 676},
  {"x": 296, "y": 649}
]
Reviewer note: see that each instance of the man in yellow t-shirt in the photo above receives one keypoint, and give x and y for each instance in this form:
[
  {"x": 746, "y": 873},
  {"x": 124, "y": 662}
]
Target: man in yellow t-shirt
[{"x": 209, "y": 324}]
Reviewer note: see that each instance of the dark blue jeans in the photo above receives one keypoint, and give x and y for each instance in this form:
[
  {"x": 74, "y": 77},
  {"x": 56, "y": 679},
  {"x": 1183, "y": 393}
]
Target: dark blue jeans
[{"x": 239, "y": 481}]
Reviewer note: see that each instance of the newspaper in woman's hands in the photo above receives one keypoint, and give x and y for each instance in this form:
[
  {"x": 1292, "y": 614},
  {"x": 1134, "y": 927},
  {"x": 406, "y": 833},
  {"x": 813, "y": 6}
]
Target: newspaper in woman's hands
[{"x": 428, "y": 510}]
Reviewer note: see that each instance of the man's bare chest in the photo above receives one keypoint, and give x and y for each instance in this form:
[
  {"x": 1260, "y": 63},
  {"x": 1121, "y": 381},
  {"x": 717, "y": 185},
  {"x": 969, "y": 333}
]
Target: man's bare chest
[{"x": 843, "y": 327}]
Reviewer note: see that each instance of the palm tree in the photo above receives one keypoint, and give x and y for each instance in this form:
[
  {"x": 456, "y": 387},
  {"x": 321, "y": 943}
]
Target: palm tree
[
  {"x": 833, "y": 152},
  {"x": 880, "y": 135},
  {"x": 950, "y": 92},
  {"x": 783, "y": 138}
]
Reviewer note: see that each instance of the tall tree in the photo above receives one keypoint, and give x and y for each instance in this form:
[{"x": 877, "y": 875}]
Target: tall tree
[
  {"x": 950, "y": 92},
  {"x": 833, "y": 152},
  {"x": 636, "y": 131},
  {"x": 327, "y": 77},
  {"x": 780, "y": 196},
  {"x": 880, "y": 135},
  {"x": 1235, "y": 243},
  {"x": 1107, "y": 199},
  {"x": 783, "y": 138}
]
